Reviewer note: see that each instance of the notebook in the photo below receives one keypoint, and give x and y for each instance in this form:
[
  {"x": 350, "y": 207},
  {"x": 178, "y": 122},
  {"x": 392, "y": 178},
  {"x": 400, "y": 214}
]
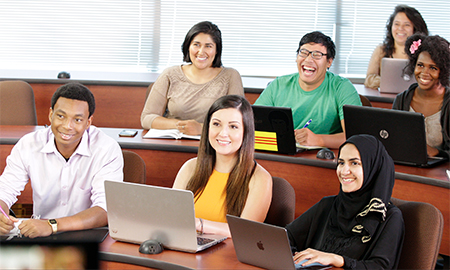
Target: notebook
[
  {"x": 263, "y": 245},
  {"x": 401, "y": 132},
  {"x": 138, "y": 212},
  {"x": 392, "y": 77},
  {"x": 274, "y": 129}
]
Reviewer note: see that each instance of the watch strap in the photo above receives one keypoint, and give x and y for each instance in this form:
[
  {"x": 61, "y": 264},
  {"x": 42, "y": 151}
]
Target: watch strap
[{"x": 54, "y": 224}]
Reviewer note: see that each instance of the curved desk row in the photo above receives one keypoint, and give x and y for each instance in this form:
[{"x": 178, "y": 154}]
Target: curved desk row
[
  {"x": 120, "y": 105},
  {"x": 311, "y": 178},
  {"x": 120, "y": 255}
]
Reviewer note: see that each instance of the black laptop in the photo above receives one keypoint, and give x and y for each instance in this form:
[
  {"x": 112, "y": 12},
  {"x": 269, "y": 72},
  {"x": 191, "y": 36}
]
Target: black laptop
[
  {"x": 274, "y": 129},
  {"x": 401, "y": 132}
]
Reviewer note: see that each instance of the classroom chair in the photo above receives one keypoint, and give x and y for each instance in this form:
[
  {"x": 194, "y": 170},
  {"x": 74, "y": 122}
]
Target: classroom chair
[
  {"x": 424, "y": 225},
  {"x": 282, "y": 208},
  {"x": 17, "y": 105},
  {"x": 133, "y": 168},
  {"x": 365, "y": 101}
]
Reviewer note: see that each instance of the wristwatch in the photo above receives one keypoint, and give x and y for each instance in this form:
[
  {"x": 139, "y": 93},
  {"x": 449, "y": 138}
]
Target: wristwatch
[{"x": 54, "y": 224}]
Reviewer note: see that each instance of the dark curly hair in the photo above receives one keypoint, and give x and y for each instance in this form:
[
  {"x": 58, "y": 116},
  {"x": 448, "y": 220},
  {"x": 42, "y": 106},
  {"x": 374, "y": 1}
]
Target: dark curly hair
[
  {"x": 206, "y": 28},
  {"x": 439, "y": 50},
  {"x": 416, "y": 19}
]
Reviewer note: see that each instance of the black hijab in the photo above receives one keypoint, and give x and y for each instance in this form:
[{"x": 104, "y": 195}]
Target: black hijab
[{"x": 358, "y": 213}]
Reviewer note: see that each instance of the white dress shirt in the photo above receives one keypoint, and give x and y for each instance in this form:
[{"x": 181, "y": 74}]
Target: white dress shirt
[{"x": 61, "y": 188}]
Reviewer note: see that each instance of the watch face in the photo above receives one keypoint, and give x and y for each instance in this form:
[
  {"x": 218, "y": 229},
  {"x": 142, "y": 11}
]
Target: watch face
[{"x": 52, "y": 221}]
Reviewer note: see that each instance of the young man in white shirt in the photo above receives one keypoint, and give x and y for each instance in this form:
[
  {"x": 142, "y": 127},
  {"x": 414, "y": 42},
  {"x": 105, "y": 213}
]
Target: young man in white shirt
[{"x": 67, "y": 164}]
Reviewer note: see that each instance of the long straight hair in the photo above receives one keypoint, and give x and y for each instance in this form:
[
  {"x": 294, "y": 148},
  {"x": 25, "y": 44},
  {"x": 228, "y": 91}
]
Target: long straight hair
[{"x": 238, "y": 181}]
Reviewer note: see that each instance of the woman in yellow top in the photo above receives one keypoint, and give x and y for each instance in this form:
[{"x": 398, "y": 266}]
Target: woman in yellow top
[{"x": 225, "y": 178}]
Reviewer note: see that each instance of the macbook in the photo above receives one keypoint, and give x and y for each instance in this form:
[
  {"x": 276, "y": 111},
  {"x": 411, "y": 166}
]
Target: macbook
[
  {"x": 263, "y": 245},
  {"x": 392, "y": 77},
  {"x": 138, "y": 212},
  {"x": 274, "y": 129},
  {"x": 401, "y": 132}
]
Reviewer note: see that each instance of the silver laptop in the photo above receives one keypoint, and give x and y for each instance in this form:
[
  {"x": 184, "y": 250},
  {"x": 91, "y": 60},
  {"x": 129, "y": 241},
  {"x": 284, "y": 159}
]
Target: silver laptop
[
  {"x": 263, "y": 245},
  {"x": 138, "y": 212},
  {"x": 392, "y": 77},
  {"x": 401, "y": 132}
]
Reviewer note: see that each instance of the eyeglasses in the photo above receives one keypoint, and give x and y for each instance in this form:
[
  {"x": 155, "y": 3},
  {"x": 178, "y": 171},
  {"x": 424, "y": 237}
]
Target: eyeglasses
[{"x": 315, "y": 54}]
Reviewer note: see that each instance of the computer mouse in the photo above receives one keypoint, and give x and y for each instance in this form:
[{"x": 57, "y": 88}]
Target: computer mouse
[
  {"x": 64, "y": 75},
  {"x": 325, "y": 153},
  {"x": 151, "y": 247}
]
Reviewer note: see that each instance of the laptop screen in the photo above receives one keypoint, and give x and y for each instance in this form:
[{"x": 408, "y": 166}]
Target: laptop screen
[
  {"x": 402, "y": 133},
  {"x": 392, "y": 77},
  {"x": 274, "y": 129}
]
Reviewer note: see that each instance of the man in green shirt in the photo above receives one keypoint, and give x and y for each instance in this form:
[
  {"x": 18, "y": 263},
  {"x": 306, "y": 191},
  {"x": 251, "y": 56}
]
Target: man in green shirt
[{"x": 314, "y": 93}]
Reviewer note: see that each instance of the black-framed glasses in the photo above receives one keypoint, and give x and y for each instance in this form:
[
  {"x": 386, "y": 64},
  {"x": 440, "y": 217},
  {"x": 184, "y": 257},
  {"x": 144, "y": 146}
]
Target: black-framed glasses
[{"x": 315, "y": 54}]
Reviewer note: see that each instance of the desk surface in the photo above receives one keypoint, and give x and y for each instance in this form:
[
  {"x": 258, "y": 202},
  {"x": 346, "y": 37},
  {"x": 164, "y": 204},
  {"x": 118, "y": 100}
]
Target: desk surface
[
  {"x": 303, "y": 171},
  {"x": 9, "y": 135},
  {"x": 220, "y": 256},
  {"x": 120, "y": 255}
]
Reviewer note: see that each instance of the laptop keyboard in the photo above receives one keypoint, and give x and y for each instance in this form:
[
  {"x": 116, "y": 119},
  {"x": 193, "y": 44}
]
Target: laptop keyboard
[{"x": 203, "y": 241}]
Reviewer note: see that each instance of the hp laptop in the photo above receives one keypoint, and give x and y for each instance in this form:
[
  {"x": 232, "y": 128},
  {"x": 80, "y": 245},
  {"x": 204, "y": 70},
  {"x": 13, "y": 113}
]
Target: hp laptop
[
  {"x": 139, "y": 212},
  {"x": 401, "y": 132},
  {"x": 392, "y": 77},
  {"x": 274, "y": 129},
  {"x": 263, "y": 245}
]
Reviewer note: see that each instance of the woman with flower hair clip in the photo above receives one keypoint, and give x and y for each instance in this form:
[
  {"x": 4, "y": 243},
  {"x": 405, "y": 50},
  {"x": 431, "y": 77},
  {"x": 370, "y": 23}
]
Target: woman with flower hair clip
[
  {"x": 402, "y": 23},
  {"x": 429, "y": 61}
]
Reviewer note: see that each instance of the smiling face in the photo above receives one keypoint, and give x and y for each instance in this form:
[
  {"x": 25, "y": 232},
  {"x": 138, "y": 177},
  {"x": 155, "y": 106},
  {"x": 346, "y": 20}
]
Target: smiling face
[
  {"x": 426, "y": 72},
  {"x": 202, "y": 51},
  {"x": 349, "y": 169},
  {"x": 226, "y": 131},
  {"x": 402, "y": 28},
  {"x": 69, "y": 119},
  {"x": 312, "y": 72}
]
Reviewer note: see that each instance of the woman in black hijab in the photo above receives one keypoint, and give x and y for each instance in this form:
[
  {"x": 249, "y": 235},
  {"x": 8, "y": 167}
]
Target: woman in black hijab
[{"x": 358, "y": 228}]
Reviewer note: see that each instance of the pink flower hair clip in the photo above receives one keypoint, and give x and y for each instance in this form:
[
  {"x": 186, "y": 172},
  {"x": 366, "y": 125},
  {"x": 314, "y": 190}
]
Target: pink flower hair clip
[{"x": 415, "y": 46}]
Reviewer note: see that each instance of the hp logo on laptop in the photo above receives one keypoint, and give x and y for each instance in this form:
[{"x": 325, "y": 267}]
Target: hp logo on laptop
[{"x": 384, "y": 134}]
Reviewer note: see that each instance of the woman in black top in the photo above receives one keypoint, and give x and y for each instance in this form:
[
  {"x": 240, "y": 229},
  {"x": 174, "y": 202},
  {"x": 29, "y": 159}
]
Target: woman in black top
[
  {"x": 358, "y": 228},
  {"x": 429, "y": 62}
]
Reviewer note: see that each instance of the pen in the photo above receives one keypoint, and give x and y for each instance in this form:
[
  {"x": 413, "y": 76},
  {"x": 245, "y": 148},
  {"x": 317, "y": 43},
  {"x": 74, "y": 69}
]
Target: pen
[
  {"x": 4, "y": 213},
  {"x": 307, "y": 123}
]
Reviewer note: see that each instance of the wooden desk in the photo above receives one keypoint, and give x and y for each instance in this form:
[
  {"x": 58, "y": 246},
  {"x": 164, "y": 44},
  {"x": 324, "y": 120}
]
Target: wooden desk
[
  {"x": 381, "y": 100},
  {"x": 121, "y": 105},
  {"x": 220, "y": 256},
  {"x": 311, "y": 178}
]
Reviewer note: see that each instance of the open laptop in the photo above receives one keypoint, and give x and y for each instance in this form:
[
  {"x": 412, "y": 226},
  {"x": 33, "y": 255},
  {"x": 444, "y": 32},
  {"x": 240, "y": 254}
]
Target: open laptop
[
  {"x": 274, "y": 129},
  {"x": 138, "y": 212},
  {"x": 401, "y": 132},
  {"x": 263, "y": 245},
  {"x": 392, "y": 77}
]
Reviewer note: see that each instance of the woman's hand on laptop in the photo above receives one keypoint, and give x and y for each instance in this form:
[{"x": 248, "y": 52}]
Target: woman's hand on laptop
[
  {"x": 315, "y": 256},
  {"x": 431, "y": 151}
]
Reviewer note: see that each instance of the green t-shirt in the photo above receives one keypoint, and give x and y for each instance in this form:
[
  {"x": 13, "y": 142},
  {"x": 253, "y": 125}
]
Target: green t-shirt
[{"x": 323, "y": 105}]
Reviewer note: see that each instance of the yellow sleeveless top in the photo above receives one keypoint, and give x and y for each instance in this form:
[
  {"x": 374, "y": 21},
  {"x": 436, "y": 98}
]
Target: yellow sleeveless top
[{"x": 211, "y": 203}]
